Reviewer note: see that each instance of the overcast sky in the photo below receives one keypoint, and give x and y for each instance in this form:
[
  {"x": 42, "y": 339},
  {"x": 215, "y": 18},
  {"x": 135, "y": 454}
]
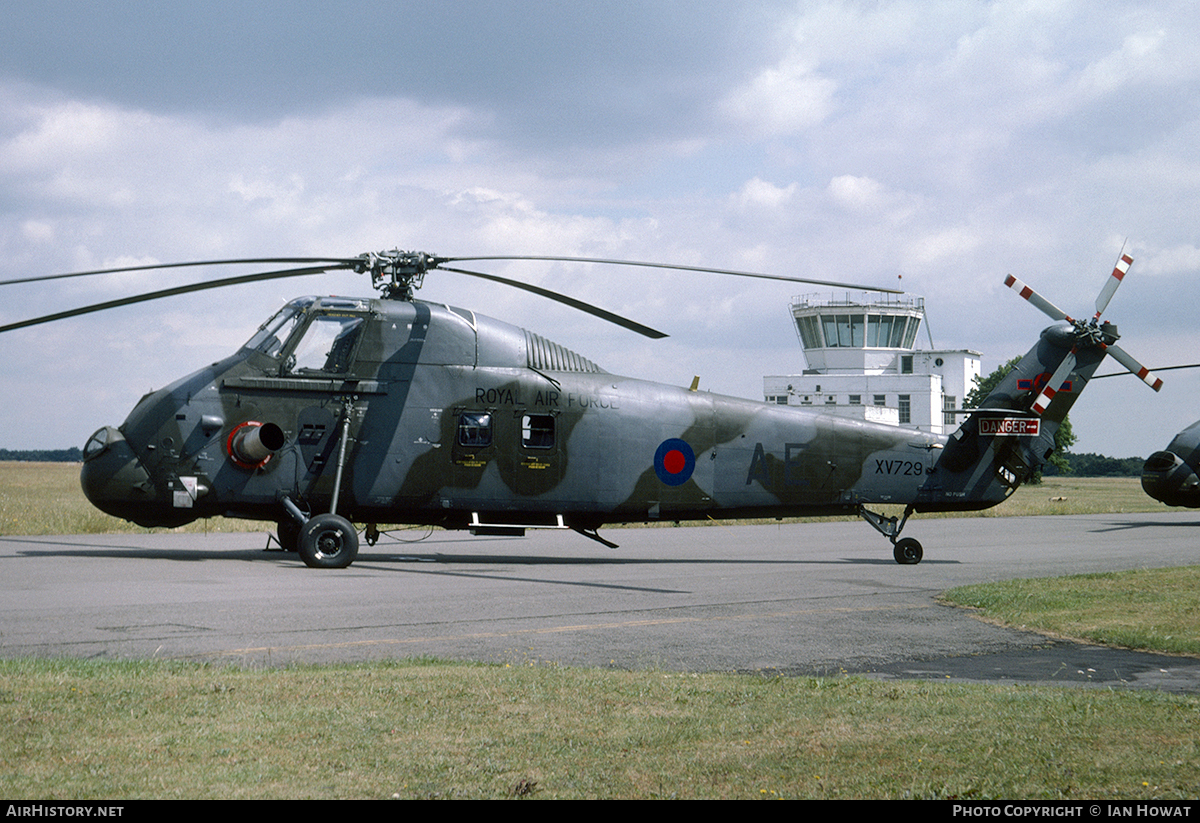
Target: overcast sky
[{"x": 934, "y": 146}]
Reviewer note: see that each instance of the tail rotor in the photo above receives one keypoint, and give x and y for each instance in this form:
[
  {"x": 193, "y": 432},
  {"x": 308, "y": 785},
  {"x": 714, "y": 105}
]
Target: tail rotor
[{"x": 1085, "y": 334}]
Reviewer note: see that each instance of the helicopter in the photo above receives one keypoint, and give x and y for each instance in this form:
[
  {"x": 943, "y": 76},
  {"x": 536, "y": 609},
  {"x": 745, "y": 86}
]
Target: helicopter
[
  {"x": 1170, "y": 476},
  {"x": 390, "y": 409}
]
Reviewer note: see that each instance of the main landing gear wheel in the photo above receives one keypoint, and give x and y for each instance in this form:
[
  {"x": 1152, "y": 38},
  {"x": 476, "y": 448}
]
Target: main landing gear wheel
[
  {"x": 908, "y": 552},
  {"x": 328, "y": 541}
]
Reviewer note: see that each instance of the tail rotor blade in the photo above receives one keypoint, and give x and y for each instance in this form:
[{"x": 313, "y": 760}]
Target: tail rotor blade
[
  {"x": 1036, "y": 299},
  {"x": 1145, "y": 375},
  {"x": 1054, "y": 384},
  {"x": 1110, "y": 286}
]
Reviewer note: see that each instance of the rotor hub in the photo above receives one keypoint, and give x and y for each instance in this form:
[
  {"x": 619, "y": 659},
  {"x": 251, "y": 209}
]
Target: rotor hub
[
  {"x": 397, "y": 274},
  {"x": 1092, "y": 333}
]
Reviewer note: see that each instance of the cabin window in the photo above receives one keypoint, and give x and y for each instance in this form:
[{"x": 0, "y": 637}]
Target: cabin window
[
  {"x": 327, "y": 345},
  {"x": 475, "y": 429},
  {"x": 537, "y": 431},
  {"x": 271, "y": 335}
]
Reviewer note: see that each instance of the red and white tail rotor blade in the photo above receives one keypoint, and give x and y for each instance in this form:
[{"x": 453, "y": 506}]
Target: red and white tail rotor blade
[
  {"x": 1110, "y": 286},
  {"x": 1054, "y": 384},
  {"x": 1089, "y": 334},
  {"x": 1036, "y": 299},
  {"x": 1144, "y": 374}
]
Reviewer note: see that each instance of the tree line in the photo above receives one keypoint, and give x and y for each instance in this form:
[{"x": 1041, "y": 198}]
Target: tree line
[{"x": 71, "y": 455}]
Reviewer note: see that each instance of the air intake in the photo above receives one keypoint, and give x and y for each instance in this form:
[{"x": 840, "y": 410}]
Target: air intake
[{"x": 548, "y": 356}]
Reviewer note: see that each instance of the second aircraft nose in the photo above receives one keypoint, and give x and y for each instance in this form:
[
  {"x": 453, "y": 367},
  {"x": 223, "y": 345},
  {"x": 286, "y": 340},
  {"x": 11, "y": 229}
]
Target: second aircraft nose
[{"x": 1169, "y": 479}]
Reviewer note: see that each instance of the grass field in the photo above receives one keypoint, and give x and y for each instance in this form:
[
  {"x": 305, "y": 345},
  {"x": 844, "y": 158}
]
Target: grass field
[
  {"x": 425, "y": 729},
  {"x": 1153, "y": 609},
  {"x": 75, "y": 729}
]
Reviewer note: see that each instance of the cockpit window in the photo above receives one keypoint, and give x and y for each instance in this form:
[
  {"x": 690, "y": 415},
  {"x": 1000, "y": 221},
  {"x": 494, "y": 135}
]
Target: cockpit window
[
  {"x": 271, "y": 336},
  {"x": 326, "y": 346}
]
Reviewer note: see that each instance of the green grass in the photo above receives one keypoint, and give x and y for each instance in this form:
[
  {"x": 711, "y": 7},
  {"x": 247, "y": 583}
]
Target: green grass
[
  {"x": 1153, "y": 609},
  {"x": 46, "y": 498},
  {"x": 423, "y": 729}
]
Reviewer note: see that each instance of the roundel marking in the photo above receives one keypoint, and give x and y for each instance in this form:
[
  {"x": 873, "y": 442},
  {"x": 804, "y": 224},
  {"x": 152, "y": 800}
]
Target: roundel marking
[{"x": 674, "y": 462}]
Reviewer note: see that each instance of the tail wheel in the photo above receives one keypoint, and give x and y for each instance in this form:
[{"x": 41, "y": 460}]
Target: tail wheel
[
  {"x": 908, "y": 552},
  {"x": 328, "y": 541}
]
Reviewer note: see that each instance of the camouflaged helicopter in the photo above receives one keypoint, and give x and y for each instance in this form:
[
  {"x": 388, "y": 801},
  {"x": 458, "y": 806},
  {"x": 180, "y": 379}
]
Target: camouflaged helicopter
[
  {"x": 1170, "y": 476},
  {"x": 395, "y": 410}
]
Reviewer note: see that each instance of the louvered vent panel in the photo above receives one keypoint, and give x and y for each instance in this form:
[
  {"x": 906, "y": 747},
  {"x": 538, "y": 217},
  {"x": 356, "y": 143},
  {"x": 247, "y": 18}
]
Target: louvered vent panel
[{"x": 549, "y": 356}]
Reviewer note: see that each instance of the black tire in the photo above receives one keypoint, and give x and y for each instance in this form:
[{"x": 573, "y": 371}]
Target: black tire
[
  {"x": 288, "y": 534},
  {"x": 908, "y": 552},
  {"x": 328, "y": 541}
]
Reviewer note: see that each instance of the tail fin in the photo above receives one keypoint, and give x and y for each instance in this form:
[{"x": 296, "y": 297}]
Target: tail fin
[
  {"x": 1005, "y": 441},
  {"x": 1011, "y": 435}
]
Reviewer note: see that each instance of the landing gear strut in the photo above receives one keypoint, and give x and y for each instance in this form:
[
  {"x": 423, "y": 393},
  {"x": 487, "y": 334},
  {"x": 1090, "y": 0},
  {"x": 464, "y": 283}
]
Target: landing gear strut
[
  {"x": 908, "y": 552},
  {"x": 325, "y": 541}
]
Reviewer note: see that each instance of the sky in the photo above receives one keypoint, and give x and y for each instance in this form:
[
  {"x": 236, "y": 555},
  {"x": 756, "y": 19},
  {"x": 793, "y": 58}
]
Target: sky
[{"x": 929, "y": 146}]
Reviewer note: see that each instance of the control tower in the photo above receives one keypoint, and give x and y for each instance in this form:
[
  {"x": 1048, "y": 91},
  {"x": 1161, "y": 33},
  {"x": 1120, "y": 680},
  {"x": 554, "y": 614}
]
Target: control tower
[{"x": 863, "y": 362}]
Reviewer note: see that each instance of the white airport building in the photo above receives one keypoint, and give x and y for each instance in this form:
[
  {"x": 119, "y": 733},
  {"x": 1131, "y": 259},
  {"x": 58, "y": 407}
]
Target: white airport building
[{"x": 862, "y": 362}]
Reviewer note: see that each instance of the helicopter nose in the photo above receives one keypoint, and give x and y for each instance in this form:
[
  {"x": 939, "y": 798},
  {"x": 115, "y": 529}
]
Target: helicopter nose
[
  {"x": 1169, "y": 479},
  {"x": 114, "y": 479}
]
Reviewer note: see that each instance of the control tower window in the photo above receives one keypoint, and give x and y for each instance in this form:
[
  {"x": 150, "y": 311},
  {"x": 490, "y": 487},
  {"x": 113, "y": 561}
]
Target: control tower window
[
  {"x": 810, "y": 332},
  {"x": 844, "y": 330}
]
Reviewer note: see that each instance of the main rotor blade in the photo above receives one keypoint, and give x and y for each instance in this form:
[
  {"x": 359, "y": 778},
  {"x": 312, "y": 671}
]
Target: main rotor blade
[
  {"x": 1036, "y": 299},
  {"x": 156, "y": 295},
  {"x": 1156, "y": 369},
  {"x": 552, "y": 258},
  {"x": 1110, "y": 285},
  {"x": 623, "y": 322},
  {"x": 153, "y": 266},
  {"x": 1144, "y": 374}
]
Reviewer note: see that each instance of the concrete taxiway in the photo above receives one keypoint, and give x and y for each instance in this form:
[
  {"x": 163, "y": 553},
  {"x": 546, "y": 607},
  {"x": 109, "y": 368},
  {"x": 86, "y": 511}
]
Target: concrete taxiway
[{"x": 819, "y": 598}]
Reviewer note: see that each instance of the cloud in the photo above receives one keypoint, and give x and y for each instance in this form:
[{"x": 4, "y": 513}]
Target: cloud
[
  {"x": 758, "y": 193},
  {"x": 1175, "y": 260},
  {"x": 782, "y": 100},
  {"x": 951, "y": 142},
  {"x": 860, "y": 193}
]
